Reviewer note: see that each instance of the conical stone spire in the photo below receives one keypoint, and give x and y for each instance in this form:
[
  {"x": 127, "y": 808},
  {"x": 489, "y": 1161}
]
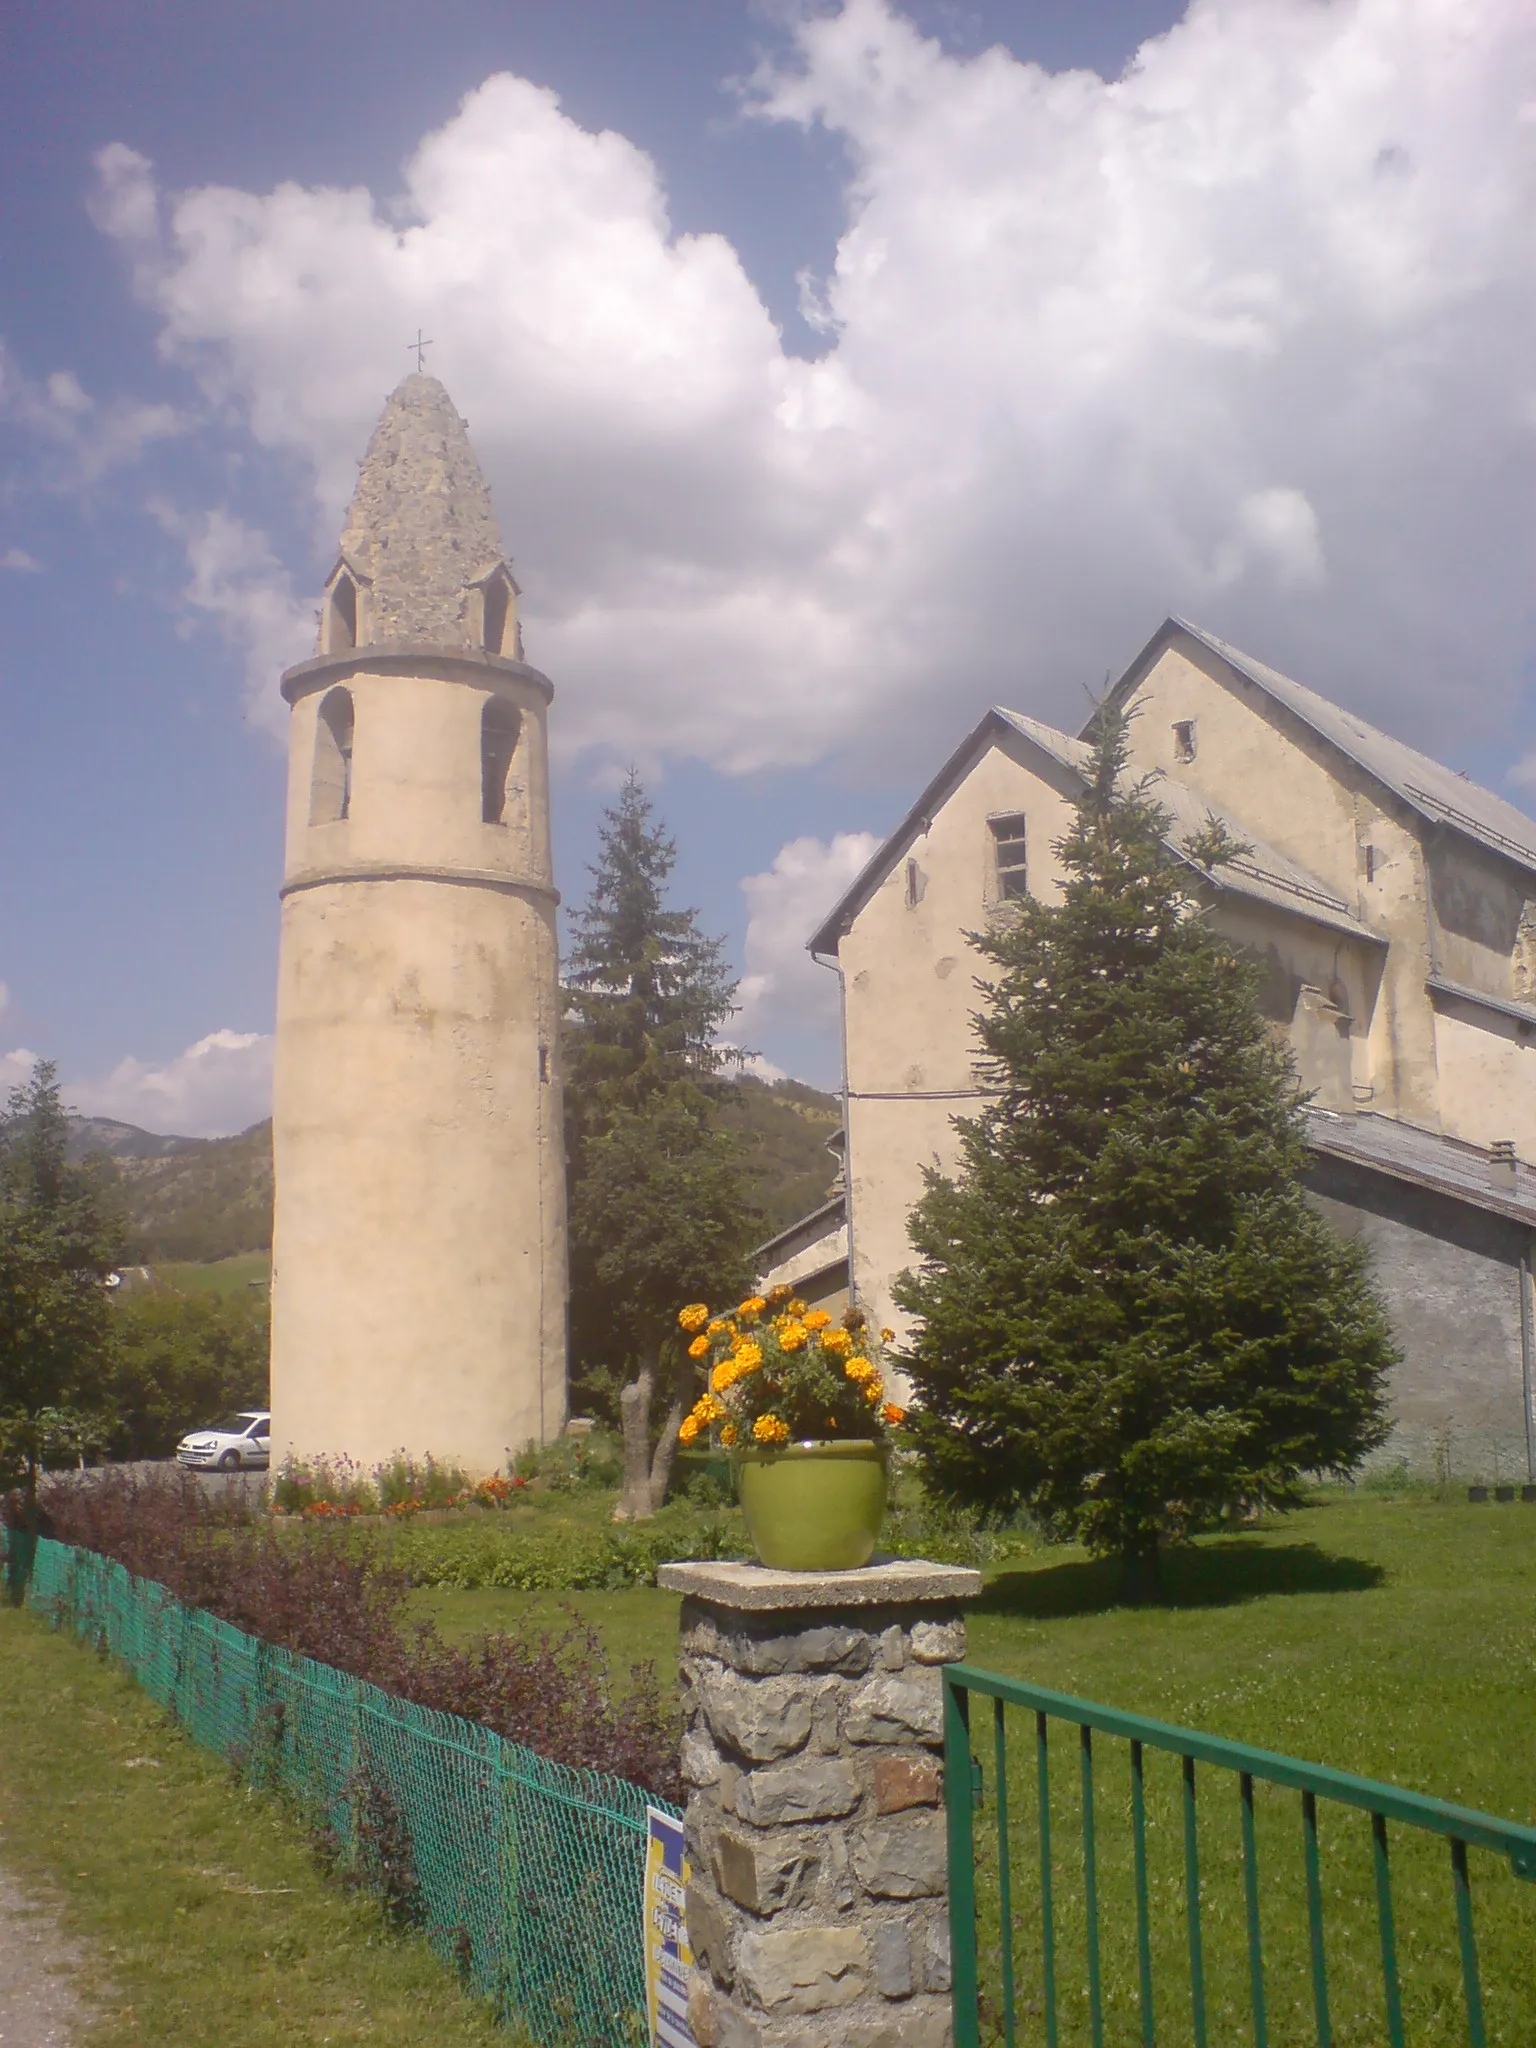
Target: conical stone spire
[{"x": 421, "y": 528}]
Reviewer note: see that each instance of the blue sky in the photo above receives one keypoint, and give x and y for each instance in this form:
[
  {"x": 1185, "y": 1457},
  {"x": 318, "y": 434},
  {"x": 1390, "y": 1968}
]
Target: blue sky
[{"x": 837, "y": 371}]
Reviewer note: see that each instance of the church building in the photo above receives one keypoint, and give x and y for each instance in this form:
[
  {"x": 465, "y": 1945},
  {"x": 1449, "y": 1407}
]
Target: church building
[
  {"x": 1392, "y": 906},
  {"x": 419, "y": 1267}
]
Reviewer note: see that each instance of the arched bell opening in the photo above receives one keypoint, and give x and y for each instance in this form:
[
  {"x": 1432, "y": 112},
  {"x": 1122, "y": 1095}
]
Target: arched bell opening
[
  {"x": 341, "y": 616},
  {"x": 330, "y": 788},
  {"x": 500, "y": 723}
]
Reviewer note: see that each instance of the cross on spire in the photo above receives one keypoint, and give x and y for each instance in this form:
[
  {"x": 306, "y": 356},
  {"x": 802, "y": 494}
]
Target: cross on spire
[{"x": 420, "y": 346}]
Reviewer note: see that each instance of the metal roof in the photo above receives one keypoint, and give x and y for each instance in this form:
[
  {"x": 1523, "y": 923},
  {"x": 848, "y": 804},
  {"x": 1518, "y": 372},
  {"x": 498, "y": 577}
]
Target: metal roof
[
  {"x": 1436, "y": 792},
  {"x": 1426, "y": 1159}
]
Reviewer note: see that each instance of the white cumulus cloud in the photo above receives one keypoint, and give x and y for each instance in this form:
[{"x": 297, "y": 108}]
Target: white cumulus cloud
[
  {"x": 238, "y": 583},
  {"x": 82, "y": 437},
  {"x": 1242, "y": 333},
  {"x": 782, "y": 988},
  {"x": 21, "y": 562},
  {"x": 220, "y": 1085}
]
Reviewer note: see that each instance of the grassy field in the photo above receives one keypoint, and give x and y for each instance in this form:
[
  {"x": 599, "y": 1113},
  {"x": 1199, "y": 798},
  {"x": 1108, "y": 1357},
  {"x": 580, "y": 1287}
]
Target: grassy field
[
  {"x": 1391, "y": 1636},
  {"x": 244, "y": 1271},
  {"x": 208, "y": 1919}
]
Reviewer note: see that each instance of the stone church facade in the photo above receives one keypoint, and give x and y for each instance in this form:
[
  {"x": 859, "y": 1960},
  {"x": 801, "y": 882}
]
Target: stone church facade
[
  {"x": 419, "y": 1268},
  {"x": 1392, "y": 906}
]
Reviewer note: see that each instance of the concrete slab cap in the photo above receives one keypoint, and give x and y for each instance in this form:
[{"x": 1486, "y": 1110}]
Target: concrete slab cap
[{"x": 887, "y": 1582}]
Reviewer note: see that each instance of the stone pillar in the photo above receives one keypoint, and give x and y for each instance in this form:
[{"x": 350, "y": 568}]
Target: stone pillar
[{"x": 817, "y": 1909}]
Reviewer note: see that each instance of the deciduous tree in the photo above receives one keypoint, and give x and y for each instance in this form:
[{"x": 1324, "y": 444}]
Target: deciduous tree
[{"x": 59, "y": 1240}]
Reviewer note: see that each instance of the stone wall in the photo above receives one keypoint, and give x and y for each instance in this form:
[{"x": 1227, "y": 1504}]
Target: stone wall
[
  {"x": 1450, "y": 1274},
  {"x": 817, "y": 1908}
]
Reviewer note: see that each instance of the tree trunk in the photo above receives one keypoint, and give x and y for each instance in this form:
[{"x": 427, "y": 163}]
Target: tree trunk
[
  {"x": 634, "y": 1502},
  {"x": 666, "y": 1451},
  {"x": 1140, "y": 1575}
]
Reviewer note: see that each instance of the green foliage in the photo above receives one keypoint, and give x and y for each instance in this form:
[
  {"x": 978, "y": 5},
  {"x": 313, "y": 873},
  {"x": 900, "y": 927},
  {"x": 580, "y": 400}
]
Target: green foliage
[
  {"x": 209, "y": 1199},
  {"x": 659, "y": 1208},
  {"x": 661, "y": 1215},
  {"x": 179, "y": 1361},
  {"x": 59, "y": 1239},
  {"x": 784, "y": 1128},
  {"x": 567, "y": 1559},
  {"x": 1130, "y": 1321},
  {"x": 572, "y": 1464}
]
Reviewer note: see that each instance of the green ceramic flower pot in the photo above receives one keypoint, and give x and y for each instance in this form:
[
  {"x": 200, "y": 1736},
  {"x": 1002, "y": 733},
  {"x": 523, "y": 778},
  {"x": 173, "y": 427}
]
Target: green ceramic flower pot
[{"x": 813, "y": 1507}]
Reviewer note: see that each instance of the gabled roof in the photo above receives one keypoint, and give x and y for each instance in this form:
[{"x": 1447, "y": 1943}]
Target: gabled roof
[
  {"x": 1435, "y": 792},
  {"x": 1260, "y": 872},
  {"x": 996, "y": 725}
]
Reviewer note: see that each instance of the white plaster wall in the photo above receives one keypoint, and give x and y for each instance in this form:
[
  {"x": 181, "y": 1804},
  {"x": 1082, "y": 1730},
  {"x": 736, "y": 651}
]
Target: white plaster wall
[
  {"x": 1290, "y": 788},
  {"x": 419, "y": 1243},
  {"x": 1487, "y": 1077},
  {"x": 910, "y": 980}
]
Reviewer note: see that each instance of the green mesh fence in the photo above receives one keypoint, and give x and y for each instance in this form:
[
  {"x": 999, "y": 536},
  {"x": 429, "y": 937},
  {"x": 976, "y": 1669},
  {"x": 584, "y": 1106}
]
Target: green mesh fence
[{"x": 525, "y": 1876}]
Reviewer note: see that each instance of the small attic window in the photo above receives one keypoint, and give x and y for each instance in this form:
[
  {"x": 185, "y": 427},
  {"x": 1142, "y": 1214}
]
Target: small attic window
[
  {"x": 1184, "y": 739},
  {"x": 499, "y": 724},
  {"x": 1009, "y": 865},
  {"x": 330, "y": 788},
  {"x": 341, "y": 621},
  {"x": 495, "y": 598}
]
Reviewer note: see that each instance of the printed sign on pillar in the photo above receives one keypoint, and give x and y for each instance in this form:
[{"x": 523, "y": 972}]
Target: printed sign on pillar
[{"x": 668, "y": 1958}]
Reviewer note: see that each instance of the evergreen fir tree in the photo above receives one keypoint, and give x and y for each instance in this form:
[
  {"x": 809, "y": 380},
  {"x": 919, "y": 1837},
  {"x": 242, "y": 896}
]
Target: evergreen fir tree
[
  {"x": 659, "y": 1208},
  {"x": 1130, "y": 1320}
]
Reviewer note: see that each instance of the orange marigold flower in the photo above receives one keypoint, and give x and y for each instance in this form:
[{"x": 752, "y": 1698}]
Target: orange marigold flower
[
  {"x": 694, "y": 1316},
  {"x": 776, "y": 1296},
  {"x": 718, "y": 1328},
  {"x": 708, "y": 1409},
  {"x": 836, "y": 1341},
  {"x": 887, "y": 1336},
  {"x": 796, "y": 1306},
  {"x": 874, "y": 1392},
  {"x": 818, "y": 1319},
  {"x": 748, "y": 1358},
  {"x": 689, "y": 1429},
  {"x": 725, "y": 1374},
  {"x": 792, "y": 1337},
  {"x": 893, "y": 1415},
  {"x": 768, "y": 1429},
  {"x": 728, "y": 1434},
  {"x": 858, "y": 1369},
  {"x": 752, "y": 1306},
  {"x": 699, "y": 1348}
]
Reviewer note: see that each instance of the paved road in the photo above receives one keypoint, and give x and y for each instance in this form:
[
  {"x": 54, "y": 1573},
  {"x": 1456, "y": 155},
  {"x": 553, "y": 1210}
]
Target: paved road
[{"x": 40, "y": 2006}]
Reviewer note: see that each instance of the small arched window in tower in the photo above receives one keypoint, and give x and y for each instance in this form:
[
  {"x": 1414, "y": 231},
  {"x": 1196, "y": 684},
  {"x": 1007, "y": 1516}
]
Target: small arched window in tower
[
  {"x": 330, "y": 789},
  {"x": 341, "y": 625},
  {"x": 498, "y": 743},
  {"x": 495, "y": 597}
]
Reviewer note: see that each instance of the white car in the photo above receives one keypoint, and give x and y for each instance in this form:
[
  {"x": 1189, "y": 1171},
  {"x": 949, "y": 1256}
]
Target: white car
[{"x": 240, "y": 1443}]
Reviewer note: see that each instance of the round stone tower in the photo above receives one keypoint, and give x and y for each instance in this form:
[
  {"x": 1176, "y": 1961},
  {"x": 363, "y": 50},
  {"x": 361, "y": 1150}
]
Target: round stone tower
[{"x": 418, "y": 1258}]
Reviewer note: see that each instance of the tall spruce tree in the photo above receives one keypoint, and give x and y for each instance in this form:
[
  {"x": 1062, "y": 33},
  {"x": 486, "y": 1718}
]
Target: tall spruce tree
[
  {"x": 659, "y": 1208},
  {"x": 1129, "y": 1319},
  {"x": 59, "y": 1239}
]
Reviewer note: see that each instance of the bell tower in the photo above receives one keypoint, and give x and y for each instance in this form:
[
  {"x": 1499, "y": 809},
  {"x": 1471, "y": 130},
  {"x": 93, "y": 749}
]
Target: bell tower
[{"x": 418, "y": 1259}]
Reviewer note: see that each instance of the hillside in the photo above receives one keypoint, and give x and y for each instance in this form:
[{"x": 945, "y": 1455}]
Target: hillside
[{"x": 200, "y": 1199}]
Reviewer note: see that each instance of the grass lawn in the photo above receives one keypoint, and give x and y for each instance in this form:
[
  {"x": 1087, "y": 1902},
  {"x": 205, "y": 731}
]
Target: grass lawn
[
  {"x": 1389, "y": 1635},
  {"x": 217, "y": 1276},
  {"x": 208, "y": 1919},
  {"x": 1393, "y": 1635}
]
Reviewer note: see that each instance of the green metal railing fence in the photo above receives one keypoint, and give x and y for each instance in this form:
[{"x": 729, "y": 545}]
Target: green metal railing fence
[
  {"x": 525, "y": 1876},
  {"x": 1279, "y": 1903}
]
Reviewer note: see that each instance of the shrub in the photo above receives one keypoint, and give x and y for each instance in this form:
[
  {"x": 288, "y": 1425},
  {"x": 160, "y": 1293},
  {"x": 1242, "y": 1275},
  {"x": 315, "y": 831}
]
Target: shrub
[
  {"x": 178, "y": 1360},
  {"x": 324, "y": 1594}
]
